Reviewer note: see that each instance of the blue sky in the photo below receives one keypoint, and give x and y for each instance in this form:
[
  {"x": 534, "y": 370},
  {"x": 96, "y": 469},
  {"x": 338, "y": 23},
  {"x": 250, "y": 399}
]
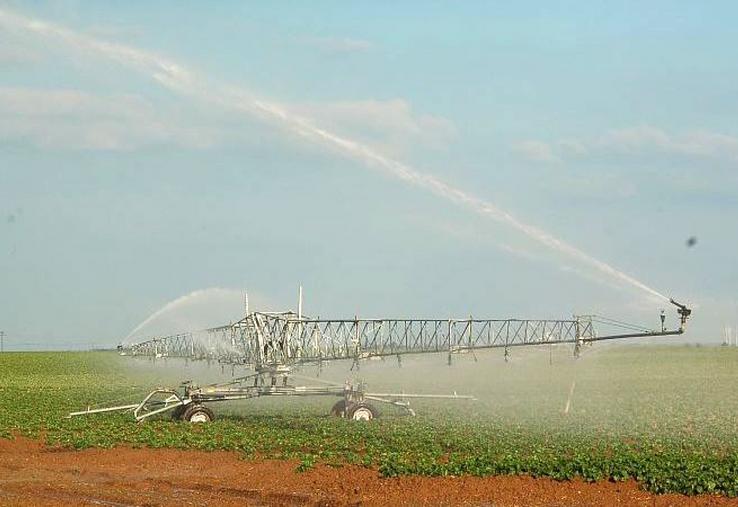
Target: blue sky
[{"x": 611, "y": 127}]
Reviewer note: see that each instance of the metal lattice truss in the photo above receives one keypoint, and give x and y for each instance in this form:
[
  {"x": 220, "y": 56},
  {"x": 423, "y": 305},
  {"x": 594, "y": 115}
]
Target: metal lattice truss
[
  {"x": 274, "y": 342},
  {"x": 268, "y": 339}
]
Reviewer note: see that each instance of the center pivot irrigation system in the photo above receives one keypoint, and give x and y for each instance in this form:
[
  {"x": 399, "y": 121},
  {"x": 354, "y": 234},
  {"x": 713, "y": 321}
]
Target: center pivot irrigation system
[{"x": 272, "y": 344}]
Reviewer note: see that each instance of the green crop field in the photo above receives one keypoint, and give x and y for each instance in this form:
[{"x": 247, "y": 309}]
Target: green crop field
[{"x": 663, "y": 415}]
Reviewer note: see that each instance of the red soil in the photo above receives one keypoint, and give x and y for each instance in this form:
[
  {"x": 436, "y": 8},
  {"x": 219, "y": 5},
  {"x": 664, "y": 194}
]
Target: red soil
[{"x": 31, "y": 474}]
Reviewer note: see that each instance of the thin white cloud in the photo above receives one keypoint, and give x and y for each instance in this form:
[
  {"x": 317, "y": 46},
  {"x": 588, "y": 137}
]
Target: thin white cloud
[
  {"x": 390, "y": 124},
  {"x": 699, "y": 143},
  {"x": 339, "y": 45},
  {"x": 12, "y": 54},
  {"x": 78, "y": 120},
  {"x": 571, "y": 147},
  {"x": 113, "y": 31},
  {"x": 635, "y": 141},
  {"x": 535, "y": 151},
  {"x": 72, "y": 119}
]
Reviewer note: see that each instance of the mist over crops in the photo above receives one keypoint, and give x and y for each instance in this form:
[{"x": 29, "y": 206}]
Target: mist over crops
[
  {"x": 617, "y": 389},
  {"x": 663, "y": 415}
]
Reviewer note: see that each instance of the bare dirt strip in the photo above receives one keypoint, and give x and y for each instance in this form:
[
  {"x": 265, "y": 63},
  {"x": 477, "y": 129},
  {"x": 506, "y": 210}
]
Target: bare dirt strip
[{"x": 31, "y": 474}]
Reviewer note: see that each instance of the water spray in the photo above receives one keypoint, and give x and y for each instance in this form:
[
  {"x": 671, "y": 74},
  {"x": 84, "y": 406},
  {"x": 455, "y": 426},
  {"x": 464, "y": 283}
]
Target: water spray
[
  {"x": 571, "y": 395},
  {"x": 186, "y": 82},
  {"x": 175, "y": 304},
  {"x": 273, "y": 344}
]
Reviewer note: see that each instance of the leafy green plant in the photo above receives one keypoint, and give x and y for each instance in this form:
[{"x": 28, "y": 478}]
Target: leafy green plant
[{"x": 674, "y": 430}]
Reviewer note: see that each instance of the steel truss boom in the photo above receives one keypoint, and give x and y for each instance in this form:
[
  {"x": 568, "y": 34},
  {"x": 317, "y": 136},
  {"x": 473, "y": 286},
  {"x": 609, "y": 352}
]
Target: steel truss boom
[
  {"x": 272, "y": 343},
  {"x": 265, "y": 339}
]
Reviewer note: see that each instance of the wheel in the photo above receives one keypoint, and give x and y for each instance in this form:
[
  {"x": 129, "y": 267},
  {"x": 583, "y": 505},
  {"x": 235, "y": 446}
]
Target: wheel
[
  {"x": 339, "y": 409},
  {"x": 196, "y": 413},
  {"x": 361, "y": 412}
]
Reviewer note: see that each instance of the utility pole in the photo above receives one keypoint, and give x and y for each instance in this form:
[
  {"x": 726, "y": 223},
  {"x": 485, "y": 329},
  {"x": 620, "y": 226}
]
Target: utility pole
[{"x": 2, "y": 341}]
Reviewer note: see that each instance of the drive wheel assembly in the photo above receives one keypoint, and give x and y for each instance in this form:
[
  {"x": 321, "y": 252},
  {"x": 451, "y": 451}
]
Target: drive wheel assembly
[
  {"x": 361, "y": 412},
  {"x": 196, "y": 413}
]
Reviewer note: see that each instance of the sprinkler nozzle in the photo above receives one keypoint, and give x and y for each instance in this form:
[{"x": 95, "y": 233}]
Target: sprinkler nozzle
[{"x": 683, "y": 312}]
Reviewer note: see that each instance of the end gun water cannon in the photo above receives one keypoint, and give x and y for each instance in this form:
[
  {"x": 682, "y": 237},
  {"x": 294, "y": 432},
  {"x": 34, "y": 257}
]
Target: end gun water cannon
[{"x": 683, "y": 312}]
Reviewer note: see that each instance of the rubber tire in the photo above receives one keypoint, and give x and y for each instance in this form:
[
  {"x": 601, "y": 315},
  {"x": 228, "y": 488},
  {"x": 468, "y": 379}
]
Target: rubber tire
[
  {"x": 195, "y": 409},
  {"x": 355, "y": 407},
  {"x": 339, "y": 409}
]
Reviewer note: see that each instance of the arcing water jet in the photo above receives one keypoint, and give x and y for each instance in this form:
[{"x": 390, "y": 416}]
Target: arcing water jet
[
  {"x": 180, "y": 302},
  {"x": 181, "y": 80}
]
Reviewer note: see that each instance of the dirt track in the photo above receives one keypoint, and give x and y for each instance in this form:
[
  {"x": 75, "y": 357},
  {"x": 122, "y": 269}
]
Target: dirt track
[{"x": 33, "y": 475}]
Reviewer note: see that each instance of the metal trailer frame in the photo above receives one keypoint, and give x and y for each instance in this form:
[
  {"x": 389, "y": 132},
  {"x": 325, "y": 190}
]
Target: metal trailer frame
[
  {"x": 275, "y": 342},
  {"x": 353, "y": 403}
]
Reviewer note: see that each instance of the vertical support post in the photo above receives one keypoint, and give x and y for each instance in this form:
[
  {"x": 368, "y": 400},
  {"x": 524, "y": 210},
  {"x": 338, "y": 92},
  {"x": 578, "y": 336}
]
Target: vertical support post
[
  {"x": 2, "y": 341},
  {"x": 356, "y": 343},
  {"x": 316, "y": 342},
  {"x": 663, "y": 320},
  {"x": 300, "y": 342},
  {"x": 470, "y": 331},
  {"x": 449, "y": 341},
  {"x": 577, "y": 337},
  {"x": 471, "y": 339},
  {"x": 356, "y": 334},
  {"x": 261, "y": 353},
  {"x": 299, "y": 303}
]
